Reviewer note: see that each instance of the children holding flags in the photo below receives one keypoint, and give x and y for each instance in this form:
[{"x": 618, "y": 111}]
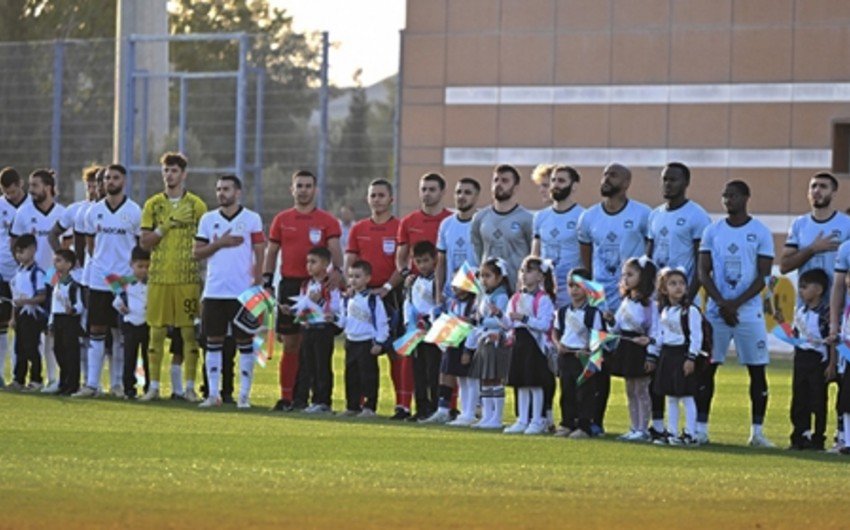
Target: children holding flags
[
  {"x": 28, "y": 295},
  {"x": 66, "y": 305},
  {"x": 131, "y": 303}
]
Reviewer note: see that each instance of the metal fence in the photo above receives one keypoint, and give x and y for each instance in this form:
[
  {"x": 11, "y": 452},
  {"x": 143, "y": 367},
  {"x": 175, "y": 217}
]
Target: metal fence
[{"x": 57, "y": 104}]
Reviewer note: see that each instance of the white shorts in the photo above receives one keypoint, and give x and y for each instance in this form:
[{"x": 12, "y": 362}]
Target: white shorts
[{"x": 750, "y": 342}]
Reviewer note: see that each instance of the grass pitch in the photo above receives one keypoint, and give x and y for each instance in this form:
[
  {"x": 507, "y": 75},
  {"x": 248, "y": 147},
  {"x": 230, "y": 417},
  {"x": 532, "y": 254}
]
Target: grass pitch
[{"x": 107, "y": 463}]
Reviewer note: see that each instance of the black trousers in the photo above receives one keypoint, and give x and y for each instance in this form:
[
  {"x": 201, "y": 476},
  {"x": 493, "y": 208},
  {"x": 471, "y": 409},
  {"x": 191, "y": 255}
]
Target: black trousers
[
  {"x": 315, "y": 371},
  {"x": 569, "y": 368},
  {"x": 27, "y": 338},
  {"x": 603, "y": 391},
  {"x": 136, "y": 339},
  {"x": 426, "y": 378},
  {"x": 361, "y": 376},
  {"x": 66, "y": 347},
  {"x": 808, "y": 396}
]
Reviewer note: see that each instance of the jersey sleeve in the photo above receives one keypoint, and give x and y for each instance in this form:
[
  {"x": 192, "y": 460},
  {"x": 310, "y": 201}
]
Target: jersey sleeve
[
  {"x": 441, "y": 235},
  {"x": 203, "y": 233},
  {"x": 18, "y": 226},
  {"x": 258, "y": 237},
  {"x": 536, "y": 222},
  {"x": 353, "y": 246},
  {"x": 334, "y": 228},
  {"x": 583, "y": 231},
  {"x": 650, "y": 234},
  {"x": 842, "y": 258},
  {"x": 765, "y": 249},
  {"x": 147, "y": 216},
  {"x": 707, "y": 240},
  {"x": 402, "y": 237},
  {"x": 644, "y": 220},
  {"x": 793, "y": 239},
  {"x": 66, "y": 220},
  {"x": 274, "y": 229},
  {"x": 699, "y": 221}
]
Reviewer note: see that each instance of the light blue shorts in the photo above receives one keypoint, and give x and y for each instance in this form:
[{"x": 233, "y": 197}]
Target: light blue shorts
[{"x": 750, "y": 341}]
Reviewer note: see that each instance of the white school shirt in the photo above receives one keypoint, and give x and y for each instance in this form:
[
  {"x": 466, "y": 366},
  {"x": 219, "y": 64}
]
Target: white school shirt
[
  {"x": 357, "y": 319},
  {"x": 32, "y": 220},
  {"x": 8, "y": 210},
  {"x": 669, "y": 331},
  {"x": 487, "y": 318},
  {"x": 230, "y": 271},
  {"x": 61, "y": 294},
  {"x": 135, "y": 299},
  {"x": 330, "y": 303},
  {"x": 22, "y": 287},
  {"x": 116, "y": 232},
  {"x": 812, "y": 326},
  {"x": 575, "y": 335},
  {"x": 539, "y": 323},
  {"x": 421, "y": 300},
  {"x": 635, "y": 317}
]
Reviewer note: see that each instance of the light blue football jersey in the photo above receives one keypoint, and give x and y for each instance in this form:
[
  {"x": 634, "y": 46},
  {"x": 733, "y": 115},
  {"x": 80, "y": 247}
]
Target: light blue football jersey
[
  {"x": 673, "y": 233},
  {"x": 734, "y": 259},
  {"x": 805, "y": 229},
  {"x": 615, "y": 237},
  {"x": 454, "y": 239},
  {"x": 558, "y": 235}
]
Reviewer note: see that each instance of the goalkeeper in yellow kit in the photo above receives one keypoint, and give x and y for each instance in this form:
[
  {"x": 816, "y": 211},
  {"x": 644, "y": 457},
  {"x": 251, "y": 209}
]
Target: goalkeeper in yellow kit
[{"x": 169, "y": 223}]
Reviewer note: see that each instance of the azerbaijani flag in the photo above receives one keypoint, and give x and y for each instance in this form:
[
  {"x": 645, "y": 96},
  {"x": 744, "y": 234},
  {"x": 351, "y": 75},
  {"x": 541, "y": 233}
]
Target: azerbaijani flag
[
  {"x": 448, "y": 331},
  {"x": 51, "y": 277},
  {"x": 309, "y": 315},
  {"x": 843, "y": 351},
  {"x": 595, "y": 291},
  {"x": 117, "y": 283},
  {"x": 593, "y": 365},
  {"x": 260, "y": 355},
  {"x": 256, "y": 300},
  {"x": 465, "y": 279},
  {"x": 601, "y": 338},
  {"x": 405, "y": 344},
  {"x": 785, "y": 333}
]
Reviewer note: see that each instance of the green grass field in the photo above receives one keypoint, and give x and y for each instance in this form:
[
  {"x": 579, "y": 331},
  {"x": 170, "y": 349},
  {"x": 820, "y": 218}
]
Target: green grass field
[{"x": 110, "y": 463}]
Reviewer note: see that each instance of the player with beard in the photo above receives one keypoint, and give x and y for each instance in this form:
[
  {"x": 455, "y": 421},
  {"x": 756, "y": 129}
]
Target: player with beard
[
  {"x": 610, "y": 232},
  {"x": 556, "y": 229},
  {"x": 454, "y": 239}
]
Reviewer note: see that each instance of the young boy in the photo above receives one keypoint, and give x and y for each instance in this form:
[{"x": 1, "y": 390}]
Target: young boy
[
  {"x": 419, "y": 307},
  {"x": 132, "y": 304},
  {"x": 66, "y": 306},
  {"x": 28, "y": 296},
  {"x": 315, "y": 370},
  {"x": 571, "y": 334},
  {"x": 811, "y": 362},
  {"x": 366, "y": 330}
]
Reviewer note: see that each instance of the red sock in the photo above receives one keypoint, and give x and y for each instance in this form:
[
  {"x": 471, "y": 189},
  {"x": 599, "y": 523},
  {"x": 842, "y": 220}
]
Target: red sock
[
  {"x": 401, "y": 373},
  {"x": 288, "y": 371},
  {"x": 453, "y": 405}
]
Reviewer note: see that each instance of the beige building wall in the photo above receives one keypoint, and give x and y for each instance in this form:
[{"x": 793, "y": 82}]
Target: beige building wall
[{"x": 743, "y": 89}]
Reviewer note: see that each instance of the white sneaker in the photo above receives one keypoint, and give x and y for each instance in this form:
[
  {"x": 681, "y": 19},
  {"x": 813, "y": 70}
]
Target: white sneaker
[
  {"x": 462, "y": 421},
  {"x": 150, "y": 395},
  {"x": 210, "y": 402},
  {"x": 516, "y": 428},
  {"x": 85, "y": 392},
  {"x": 758, "y": 440},
  {"x": 441, "y": 416},
  {"x": 537, "y": 427},
  {"x": 51, "y": 388},
  {"x": 836, "y": 448},
  {"x": 637, "y": 436},
  {"x": 241, "y": 402},
  {"x": 33, "y": 387},
  {"x": 118, "y": 391},
  {"x": 701, "y": 438},
  {"x": 626, "y": 436},
  {"x": 191, "y": 396},
  {"x": 317, "y": 408},
  {"x": 367, "y": 413}
]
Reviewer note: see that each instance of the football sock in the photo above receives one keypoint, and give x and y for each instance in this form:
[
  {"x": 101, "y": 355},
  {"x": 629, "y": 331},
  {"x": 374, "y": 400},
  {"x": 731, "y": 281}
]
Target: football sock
[
  {"x": 156, "y": 346},
  {"x": 95, "y": 360},
  {"x": 176, "y": 379},
  {"x": 246, "y": 370},
  {"x": 523, "y": 398},
  {"x": 214, "y": 362},
  {"x": 190, "y": 353},
  {"x": 673, "y": 415}
]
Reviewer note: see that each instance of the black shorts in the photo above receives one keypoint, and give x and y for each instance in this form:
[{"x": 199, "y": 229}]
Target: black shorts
[
  {"x": 5, "y": 305},
  {"x": 217, "y": 318},
  {"x": 101, "y": 311},
  {"x": 288, "y": 287}
]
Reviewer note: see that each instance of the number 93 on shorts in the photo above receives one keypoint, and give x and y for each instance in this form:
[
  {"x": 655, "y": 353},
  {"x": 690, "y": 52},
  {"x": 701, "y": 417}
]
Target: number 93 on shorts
[{"x": 173, "y": 305}]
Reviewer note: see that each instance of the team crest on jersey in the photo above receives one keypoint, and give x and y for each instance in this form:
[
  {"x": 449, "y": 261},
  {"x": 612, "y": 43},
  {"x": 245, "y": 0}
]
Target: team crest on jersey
[
  {"x": 835, "y": 233},
  {"x": 389, "y": 246},
  {"x": 733, "y": 248},
  {"x": 751, "y": 238},
  {"x": 629, "y": 224},
  {"x": 571, "y": 225},
  {"x": 240, "y": 227},
  {"x": 515, "y": 226},
  {"x": 315, "y": 235},
  {"x": 680, "y": 221}
]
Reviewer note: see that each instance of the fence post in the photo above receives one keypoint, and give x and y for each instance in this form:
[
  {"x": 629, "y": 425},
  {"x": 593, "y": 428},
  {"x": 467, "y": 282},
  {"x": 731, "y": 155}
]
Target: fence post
[
  {"x": 323, "y": 122},
  {"x": 56, "y": 126},
  {"x": 129, "y": 109},
  {"x": 181, "y": 116},
  {"x": 397, "y": 122},
  {"x": 241, "y": 89},
  {"x": 258, "y": 141}
]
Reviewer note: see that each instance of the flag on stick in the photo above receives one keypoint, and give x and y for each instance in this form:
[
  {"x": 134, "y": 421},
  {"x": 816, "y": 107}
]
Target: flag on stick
[
  {"x": 406, "y": 344},
  {"x": 595, "y": 290},
  {"x": 448, "y": 331},
  {"x": 465, "y": 279}
]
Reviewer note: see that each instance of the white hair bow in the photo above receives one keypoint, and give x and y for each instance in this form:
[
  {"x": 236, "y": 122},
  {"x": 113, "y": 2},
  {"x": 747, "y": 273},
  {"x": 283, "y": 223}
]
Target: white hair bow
[
  {"x": 502, "y": 265},
  {"x": 546, "y": 265},
  {"x": 643, "y": 260}
]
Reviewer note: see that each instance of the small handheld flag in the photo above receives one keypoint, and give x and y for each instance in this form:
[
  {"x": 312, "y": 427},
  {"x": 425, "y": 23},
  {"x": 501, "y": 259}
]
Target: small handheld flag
[
  {"x": 448, "y": 331},
  {"x": 592, "y": 366},
  {"x": 406, "y": 344},
  {"x": 116, "y": 282},
  {"x": 595, "y": 290},
  {"x": 465, "y": 279}
]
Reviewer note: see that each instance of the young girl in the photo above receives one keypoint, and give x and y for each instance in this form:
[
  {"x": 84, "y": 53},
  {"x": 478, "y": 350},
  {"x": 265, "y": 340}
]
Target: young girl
[
  {"x": 492, "y": 355},
  {"x": 843, "y": 405},
  {"x": 678, "y": 352},
  {"x": 635, "y": 321},
  {"x": 571, "y": 334},
  {"x": 530, "y": 313}
]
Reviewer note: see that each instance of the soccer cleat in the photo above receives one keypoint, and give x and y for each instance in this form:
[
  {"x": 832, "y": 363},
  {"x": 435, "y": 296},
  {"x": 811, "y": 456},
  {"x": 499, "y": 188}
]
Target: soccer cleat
[
  {"x": 401, "y": 414},
  {"x": 243, "y": 403},
  {"x": 578, "y": 434},
  {"x": 626, "y": 436},
  {"x": 537, "y": 427},
  {"x": 661, "y": 438},
  {"x": 282, "y": 405},
  {"x": 176, "y": 397},
  {"x": 517, "y": 428},
  {"x": 637, "y": 436},
  {"x": 191, "y": 396},
  {"x": 462, "y": 421},
  {"x": 702, "y": 438},
  {"x": 758, "y": 440},
  {"x": 51, "y": 388},
  {"x": 151, "y": 395},
  {"x": 351, "y": 413},
  {"x": 85, "y": 392},
  {"x": 416, "y": 418},
  {"x": 441, "y": 416},
  {"x": 210, "y": 402},
  {"x": 317, "y": 408},
  {"x": 367, "y": 413},
  {"x": 227, "y": 400},
  {"x": 33, "y": 387},
  {"x": 844, "y": 451},
  {"x": 118, "y": 391},
  {"x": 15, "y": 386}
]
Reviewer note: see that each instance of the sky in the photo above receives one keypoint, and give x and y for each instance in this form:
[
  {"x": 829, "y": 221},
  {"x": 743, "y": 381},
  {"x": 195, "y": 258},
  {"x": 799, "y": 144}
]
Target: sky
[{"x": 366, "y": 33}]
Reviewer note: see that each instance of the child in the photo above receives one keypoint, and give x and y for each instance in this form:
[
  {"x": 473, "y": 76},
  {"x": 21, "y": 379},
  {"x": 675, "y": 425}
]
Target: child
[
  {"x": 492, "y": 354},
  {"x": 132, "y": 303},
  {"x": 635, "y": 321},
  {"x": 675, "y": 349},
  {"x": 571, "y": 335},
  {"x": 531, "y": 312},
  {"x": 843, "y": 405},
  {"x": 454, "y": 366},
  {"x": 66, "y": 306},
  {"x": 315, "y": 369},
  {"x": 366, "y": 330},
  {"x": 419, "y": 308},
  {"x": 28, "y": 294}
]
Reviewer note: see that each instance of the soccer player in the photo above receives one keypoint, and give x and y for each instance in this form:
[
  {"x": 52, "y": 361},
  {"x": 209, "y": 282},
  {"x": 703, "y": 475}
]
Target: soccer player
[
  {"x": 65, "y": 223},
  {"x": 454, "y": 238},
  {"x": 114, "y": 225},
  {"x": 37, "y": 217},
  {"x": 13, "y": 197},
  {"x": 292, "y": 234},
  {"x": 421, "y": 225},
  {"x": 736, "y": 254},
  {"x": 169, "y": 223},
  {"x": 556, "y": 229},
  {"x": 609, "y": 233},
  {"x": 540, "y": 176},
  {"x": 232, "y": 241}
]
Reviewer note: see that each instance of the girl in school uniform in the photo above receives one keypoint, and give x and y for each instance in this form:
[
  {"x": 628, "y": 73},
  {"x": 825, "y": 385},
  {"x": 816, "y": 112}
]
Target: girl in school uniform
[
  {"x": 531, "y": 313},
  {"x": 675, "y": 349},
  {"x": 487, "y": 344},
  {"x": 843, "y": 405},
  {"x": 635, "y": 321}
]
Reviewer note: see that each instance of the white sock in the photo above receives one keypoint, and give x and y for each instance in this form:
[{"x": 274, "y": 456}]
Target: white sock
[
  {"x": 4, "y": 348},
  {"x": 487, "y": 405},
  {"x": 154, "y": 385},
  {"x": 658, "y": 425},
  {"x": 673, "y": 415},
  {"x": 702, "y": 427},
  {"x": 214, "y": 372},
  {"x": 690, "y": 414},
  {"x": 116, "y": 369},
  {"x": 473, "y": 394},
  {"x": 177, "y": 378},
  {"x": 95, "y": 361},
  {"x": 498, "y": 405},
  {"x": 755, "y": 430},
  {"x": 524, "y": 396},
  {"x": 246, "y": 372},
  {"x": 49, "y": 358},
  {"x": 190, "y": 384},
  {"x": 537, "y": 404},
  {"x": 846, "y": 417}
]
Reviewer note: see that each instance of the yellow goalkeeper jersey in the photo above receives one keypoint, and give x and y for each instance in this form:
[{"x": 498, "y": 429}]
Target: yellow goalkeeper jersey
[{"x": 171, "y": 260}]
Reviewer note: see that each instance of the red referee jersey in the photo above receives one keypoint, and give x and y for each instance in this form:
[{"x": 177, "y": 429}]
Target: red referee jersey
[
  {"x": 297, "y": 233},
  {"x": 376, "y": 244},
  {"x": 418, "y": 226}
]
